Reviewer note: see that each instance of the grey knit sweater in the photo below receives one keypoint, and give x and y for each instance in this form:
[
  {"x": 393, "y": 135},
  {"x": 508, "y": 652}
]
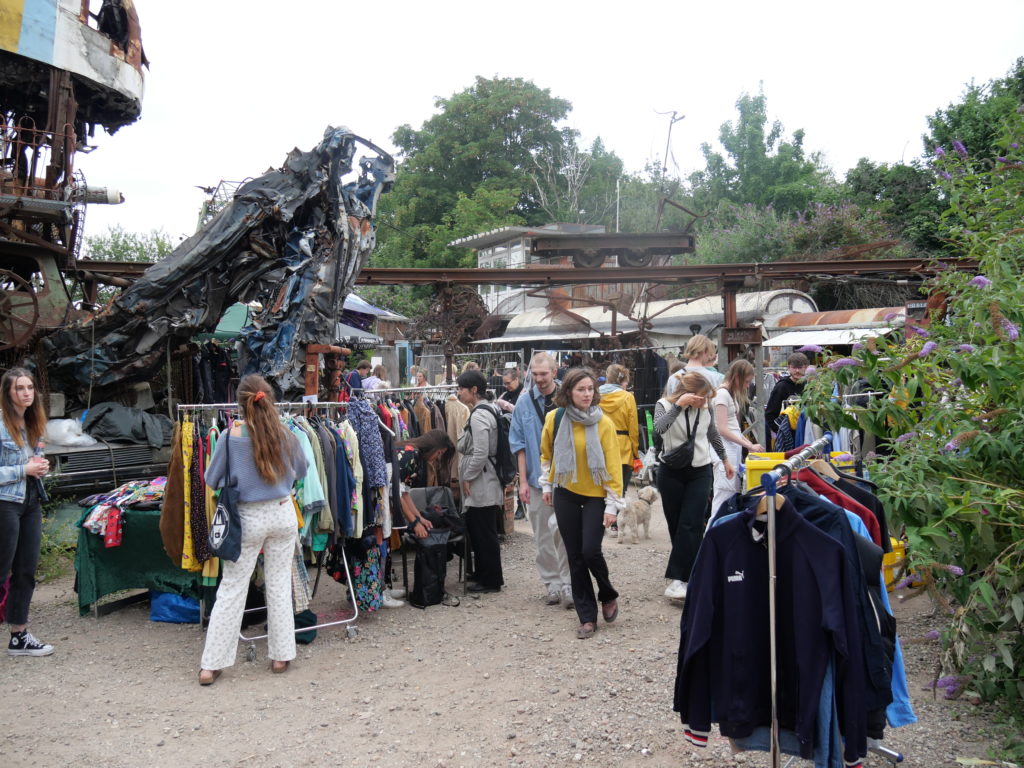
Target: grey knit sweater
[{"x": 252, "y": 487}]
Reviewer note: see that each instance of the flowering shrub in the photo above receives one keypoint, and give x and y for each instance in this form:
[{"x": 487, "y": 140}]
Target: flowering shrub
[{"x": 951, "y": 424}]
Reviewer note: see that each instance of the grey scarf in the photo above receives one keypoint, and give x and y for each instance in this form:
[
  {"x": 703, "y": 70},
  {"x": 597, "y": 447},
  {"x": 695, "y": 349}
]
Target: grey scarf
[{"x": 564, "y": 458}]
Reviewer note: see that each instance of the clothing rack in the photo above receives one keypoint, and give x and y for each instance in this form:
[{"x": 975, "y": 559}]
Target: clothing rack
[
  {"x": 769, "y": 482},
  {"x": 350, "y": 631}
]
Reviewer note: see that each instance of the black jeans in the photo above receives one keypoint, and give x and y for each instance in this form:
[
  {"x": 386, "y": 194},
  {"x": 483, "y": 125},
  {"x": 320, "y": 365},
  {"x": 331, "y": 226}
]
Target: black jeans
[
  {"x": 581, "y": 523},
  {"x": 21, "y": 530},
  {"x": 627, "y": 475},
  {"x": 684, "y": 497},
  {"x": 483, "y": 537}
]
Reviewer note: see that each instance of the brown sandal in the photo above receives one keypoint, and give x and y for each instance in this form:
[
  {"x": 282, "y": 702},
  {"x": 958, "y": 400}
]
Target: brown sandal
[
  {"x": 279, "y": 667},
  {"x": 208, "y": 676}
]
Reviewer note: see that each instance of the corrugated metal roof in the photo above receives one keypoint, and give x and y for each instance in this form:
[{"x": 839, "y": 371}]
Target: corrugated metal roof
[
  {"x": 844, "y": 317},
  {"x": 824, "y": 337}
]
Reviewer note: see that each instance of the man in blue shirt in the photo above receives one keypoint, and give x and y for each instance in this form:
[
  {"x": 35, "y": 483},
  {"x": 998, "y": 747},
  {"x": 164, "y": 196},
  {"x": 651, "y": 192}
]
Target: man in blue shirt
[{"x": 524, "y": 439}]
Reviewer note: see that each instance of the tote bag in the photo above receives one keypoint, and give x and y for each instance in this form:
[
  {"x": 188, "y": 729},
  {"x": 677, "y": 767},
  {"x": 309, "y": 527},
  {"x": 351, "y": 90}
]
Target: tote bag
[{"x": 226, "y": 527}]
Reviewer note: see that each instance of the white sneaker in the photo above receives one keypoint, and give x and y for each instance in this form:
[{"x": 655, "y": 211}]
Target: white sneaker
[
  {"x": 567, "y": 601},
  {"x": 397, "y": 592},
  {"x": 390, "y": 602},
  {"x": 553, "y": 597},
  {"x": 676, "y": 590}
]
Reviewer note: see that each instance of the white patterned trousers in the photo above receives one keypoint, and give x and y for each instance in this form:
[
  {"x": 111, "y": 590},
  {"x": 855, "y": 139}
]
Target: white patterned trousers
[{"x": 270, "y": 526}]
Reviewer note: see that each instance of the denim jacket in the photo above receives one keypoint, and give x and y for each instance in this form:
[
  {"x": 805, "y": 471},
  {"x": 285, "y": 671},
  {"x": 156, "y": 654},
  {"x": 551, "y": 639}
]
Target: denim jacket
[{"x": 12, "y": 465}]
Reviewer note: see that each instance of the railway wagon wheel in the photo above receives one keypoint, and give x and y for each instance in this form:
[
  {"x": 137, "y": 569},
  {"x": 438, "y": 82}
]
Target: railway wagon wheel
[{"x": 19, "y": 310}]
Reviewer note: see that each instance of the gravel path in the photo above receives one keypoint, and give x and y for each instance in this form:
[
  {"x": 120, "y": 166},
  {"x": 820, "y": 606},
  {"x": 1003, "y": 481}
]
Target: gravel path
[{"x": 499, "y": 681}]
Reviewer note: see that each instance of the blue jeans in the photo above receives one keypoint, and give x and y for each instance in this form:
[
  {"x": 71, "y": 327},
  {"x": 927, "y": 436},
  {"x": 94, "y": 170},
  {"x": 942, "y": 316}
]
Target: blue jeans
[{"x": 21, "y": 531}]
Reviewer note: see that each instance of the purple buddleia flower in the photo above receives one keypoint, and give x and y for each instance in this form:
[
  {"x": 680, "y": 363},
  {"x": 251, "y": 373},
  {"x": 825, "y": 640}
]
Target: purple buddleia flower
[
  {"x": 1001, "y": 159},
  {"x": 870, "y": 456},
  {"x": 951, "y": 446},
  {"x": 1014, "y": 145},
  {"x": 956, "y": 570},
  {"x": 844, "y": 362},
  {"x": 928, "y": 348},
  {"x": 903, "y": 583},
  {"x": 946, "y": 175},
  {"x": 1011, "y": 330},
  {"x": 843, "y": 457},
  {"x": 906, "y": 437},
  {"x": 980, "y": 281},
  {"x": 964, "y": 348},
  {"x": 985, "y": 512},
  {"x": 890, "y": 316},
  {"x": 960, "y": 148},
  {"x": 932, "y": 634},
  {"x": 809, "y": 348},
  {"x": 857, "y": 346},
  {"x": 940, "y": 152},
  {"x": 958, "y": 382},
  {"x": 913, "y": 330}
]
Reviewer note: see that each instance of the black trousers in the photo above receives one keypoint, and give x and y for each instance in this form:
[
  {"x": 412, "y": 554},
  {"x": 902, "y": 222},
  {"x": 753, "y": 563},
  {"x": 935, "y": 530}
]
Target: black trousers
[
  {"x": 21, "y": 530},
  {"x": 483, "y": 538},
  {"x": 581, "y": 523},
  {"x": 684, "y": 497},
  {"x": 627, "y": 475}
]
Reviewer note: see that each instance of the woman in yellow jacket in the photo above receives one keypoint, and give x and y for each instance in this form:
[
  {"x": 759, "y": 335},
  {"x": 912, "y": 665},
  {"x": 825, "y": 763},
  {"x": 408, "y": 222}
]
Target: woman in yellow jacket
[
  {"x": 580, "y": 461},
  {"x": 619, "y": 405}
]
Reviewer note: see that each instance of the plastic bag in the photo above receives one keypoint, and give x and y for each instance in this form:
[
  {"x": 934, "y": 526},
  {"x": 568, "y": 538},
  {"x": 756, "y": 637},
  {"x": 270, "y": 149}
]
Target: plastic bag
[
  {"x": 172, "y": 608},
  {"x": 67, "y": 432}
]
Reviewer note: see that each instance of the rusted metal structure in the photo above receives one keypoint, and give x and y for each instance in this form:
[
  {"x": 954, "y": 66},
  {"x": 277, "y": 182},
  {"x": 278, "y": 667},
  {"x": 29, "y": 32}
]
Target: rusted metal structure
[{"x": 64, "y": 70}]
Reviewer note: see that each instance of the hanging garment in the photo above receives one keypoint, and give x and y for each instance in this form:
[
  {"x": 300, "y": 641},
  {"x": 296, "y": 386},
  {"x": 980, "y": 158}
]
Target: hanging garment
[
  {"x": 172, "y": 513},
  {"x": 724, "y": 653}
]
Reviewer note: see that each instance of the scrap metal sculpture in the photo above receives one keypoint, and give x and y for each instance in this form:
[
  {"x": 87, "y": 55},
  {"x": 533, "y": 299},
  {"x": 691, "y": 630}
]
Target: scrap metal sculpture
[{"x": 293, "y": 240}]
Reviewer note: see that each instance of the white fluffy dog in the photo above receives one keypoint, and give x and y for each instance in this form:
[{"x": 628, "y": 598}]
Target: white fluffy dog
[{"x": 637, "y": 513}]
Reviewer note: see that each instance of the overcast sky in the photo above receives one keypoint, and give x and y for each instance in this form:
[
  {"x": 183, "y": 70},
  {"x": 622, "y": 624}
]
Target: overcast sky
[{"x": 235, "y": 84}]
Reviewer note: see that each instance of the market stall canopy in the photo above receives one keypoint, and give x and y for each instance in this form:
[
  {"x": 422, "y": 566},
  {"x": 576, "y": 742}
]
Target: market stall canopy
[
  {"x": 356, "y": 336},
  {"x": 824, "y": 337},
  {"x": 549, "y": 325},
  {"x": 237, "y": 316}
]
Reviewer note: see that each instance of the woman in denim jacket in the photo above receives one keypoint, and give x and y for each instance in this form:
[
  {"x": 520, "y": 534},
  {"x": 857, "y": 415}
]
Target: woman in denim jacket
[{"x": 22, "y": 468}]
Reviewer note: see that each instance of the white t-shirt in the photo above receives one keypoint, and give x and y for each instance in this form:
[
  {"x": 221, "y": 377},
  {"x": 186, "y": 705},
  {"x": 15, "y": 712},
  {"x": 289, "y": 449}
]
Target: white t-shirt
[{"x": 723, "y": 397}]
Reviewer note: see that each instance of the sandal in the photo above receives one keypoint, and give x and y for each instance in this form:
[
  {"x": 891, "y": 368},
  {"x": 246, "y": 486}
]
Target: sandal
[
  {"x": 586, "y": 630},
  {"x": 609, "y": 618},
  {"x": 208, "y": 676},
  {"x": 279, "y": 667},
  {"x": 452, "y": 601}
]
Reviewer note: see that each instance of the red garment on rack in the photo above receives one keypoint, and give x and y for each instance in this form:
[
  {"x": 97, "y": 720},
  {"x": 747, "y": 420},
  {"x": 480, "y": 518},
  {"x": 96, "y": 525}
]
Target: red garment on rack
[{"x": 836, "y": 496}]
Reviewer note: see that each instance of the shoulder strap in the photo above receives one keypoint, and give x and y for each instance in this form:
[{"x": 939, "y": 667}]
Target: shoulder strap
[
  {"x": 540, "y": 413},
  {"x": 227, "y": 458},
  {"x": 558, "y": 418}
]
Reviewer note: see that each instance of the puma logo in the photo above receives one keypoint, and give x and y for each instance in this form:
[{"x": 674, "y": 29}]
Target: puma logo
[{"x": 736, "y": 576}]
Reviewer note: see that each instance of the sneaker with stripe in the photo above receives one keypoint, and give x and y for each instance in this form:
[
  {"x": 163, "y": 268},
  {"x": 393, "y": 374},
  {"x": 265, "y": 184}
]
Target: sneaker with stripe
[{"x": 24, "y": 643}]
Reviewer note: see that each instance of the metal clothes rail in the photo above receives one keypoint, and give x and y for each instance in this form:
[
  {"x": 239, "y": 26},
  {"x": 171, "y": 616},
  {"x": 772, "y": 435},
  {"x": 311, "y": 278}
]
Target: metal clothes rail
[{"x": 769, "y": 482}]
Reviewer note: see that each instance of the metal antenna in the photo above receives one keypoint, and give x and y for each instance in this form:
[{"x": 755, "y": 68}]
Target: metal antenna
[{"x": 675, "y": 118}]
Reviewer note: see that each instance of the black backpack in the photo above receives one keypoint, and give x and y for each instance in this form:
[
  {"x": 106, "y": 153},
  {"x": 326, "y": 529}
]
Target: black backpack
[{"x": 506, "y": 467}]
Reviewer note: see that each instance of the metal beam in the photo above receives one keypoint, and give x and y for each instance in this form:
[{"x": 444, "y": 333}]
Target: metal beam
[
  {"x": 561, "y": 275},
  {"x": 689, "y": 273}
]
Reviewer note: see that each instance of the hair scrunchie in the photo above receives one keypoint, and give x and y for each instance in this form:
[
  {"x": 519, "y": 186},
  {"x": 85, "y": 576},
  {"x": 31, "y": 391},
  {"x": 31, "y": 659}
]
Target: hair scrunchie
[{"x": 259, "y": 396}]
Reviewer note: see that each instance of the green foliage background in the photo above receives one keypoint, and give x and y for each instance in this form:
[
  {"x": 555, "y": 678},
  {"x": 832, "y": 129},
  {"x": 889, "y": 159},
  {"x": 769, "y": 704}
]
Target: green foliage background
[{"x": 953, "y": 420}]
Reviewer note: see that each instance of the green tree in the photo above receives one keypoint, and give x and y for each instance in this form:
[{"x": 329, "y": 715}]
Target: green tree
[
  {"x": 906, "y": 195},
  {"x": 759, "y": 166},
  {"x": 118, "y": 244},
  {"x": 979, "y": 119},
  {"x": 484, "y": 137},
  {"x": 954, "y": 413}
]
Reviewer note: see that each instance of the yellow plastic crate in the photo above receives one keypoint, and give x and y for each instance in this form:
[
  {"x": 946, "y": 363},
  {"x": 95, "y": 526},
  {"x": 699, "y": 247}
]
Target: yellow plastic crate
[
  {"x": 893, "y": 561},
  {"x": 759, "y": 463}
]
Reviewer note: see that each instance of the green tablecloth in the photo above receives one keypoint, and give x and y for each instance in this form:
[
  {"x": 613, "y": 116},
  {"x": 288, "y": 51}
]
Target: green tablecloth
[{"x": 138, "y": 563}]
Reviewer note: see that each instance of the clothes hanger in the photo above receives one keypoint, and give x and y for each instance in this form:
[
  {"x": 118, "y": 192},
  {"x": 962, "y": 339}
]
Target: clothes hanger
[{"x": 824, "y": 469}]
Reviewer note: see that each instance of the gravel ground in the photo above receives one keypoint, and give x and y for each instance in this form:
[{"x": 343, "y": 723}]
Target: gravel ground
[{"x": 499, "y": 680}]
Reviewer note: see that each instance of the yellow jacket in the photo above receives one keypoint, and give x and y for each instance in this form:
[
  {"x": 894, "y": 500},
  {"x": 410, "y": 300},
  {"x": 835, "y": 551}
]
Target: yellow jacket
[
  {"x": 584, "y": 485},
  {"x": 620, "y": 406}
]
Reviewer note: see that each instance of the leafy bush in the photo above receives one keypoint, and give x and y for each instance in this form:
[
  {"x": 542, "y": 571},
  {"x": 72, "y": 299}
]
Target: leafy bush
[{"x": 952, "y": 422}]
